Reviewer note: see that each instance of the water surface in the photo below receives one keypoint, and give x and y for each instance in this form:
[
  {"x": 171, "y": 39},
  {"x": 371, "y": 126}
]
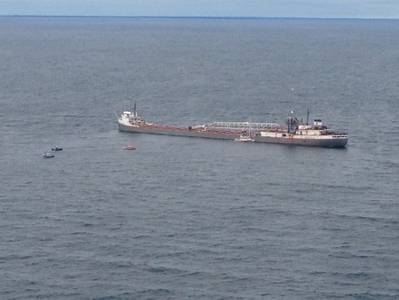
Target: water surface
[{"x": 183, "y": 217}]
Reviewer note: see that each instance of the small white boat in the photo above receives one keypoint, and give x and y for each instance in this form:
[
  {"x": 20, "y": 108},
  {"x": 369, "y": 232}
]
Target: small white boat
[
  {"x": 48, "y": 155},
  {"x": 244, "y": 138}
]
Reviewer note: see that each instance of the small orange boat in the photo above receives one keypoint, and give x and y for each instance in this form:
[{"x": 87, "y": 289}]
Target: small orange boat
[{"x": 129, "y": 147}]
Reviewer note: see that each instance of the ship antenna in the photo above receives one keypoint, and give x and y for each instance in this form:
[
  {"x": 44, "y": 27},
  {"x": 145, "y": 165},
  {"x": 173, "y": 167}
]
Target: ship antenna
[{"x": 307, "y": 116}]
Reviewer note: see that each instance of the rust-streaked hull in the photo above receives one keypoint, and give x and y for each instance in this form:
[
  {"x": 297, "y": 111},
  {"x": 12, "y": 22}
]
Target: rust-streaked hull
[{"x": 180, "y": 131}]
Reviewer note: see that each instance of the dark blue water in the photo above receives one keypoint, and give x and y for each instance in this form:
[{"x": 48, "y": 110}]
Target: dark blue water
[{"x": 192, "y": 218}]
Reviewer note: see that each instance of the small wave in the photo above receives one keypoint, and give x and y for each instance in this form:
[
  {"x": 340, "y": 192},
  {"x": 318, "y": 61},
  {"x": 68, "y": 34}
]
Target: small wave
[
  {"x": 317, "y": 273},
  {"x": 373, "y": 296},
  {"x": 157, "y": 292},
  {"x": 165, "y": 270},
  {"x": 78, "y": 233},
  {"x": 141, "y": 236},
  {"x": 348, "y": 255},
  {"x": 353, "y": 275},
  {"x": 57, "y": 296},
  {"x": 15, "y": 257},
  {"x": 373, "y": 219}
]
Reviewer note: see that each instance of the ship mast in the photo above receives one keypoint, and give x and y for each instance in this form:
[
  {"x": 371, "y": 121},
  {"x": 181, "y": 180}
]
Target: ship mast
[
  {"x": 292, "y": 123},
  {"x": 134, "y": 110}
]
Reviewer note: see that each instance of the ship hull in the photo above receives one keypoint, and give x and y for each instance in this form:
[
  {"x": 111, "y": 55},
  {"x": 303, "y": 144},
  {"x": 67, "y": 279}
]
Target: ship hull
[{"x": 327, "y": 141}]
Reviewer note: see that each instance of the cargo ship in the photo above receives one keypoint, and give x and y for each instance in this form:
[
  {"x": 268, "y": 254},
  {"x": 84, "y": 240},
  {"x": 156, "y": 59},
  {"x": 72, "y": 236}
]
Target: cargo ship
[{"x": 294, "y": 132}]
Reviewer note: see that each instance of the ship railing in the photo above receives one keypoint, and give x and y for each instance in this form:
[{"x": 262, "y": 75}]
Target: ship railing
[
  {"x": 243, "y": 125},
  {"x": 333, "y": 132}
]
